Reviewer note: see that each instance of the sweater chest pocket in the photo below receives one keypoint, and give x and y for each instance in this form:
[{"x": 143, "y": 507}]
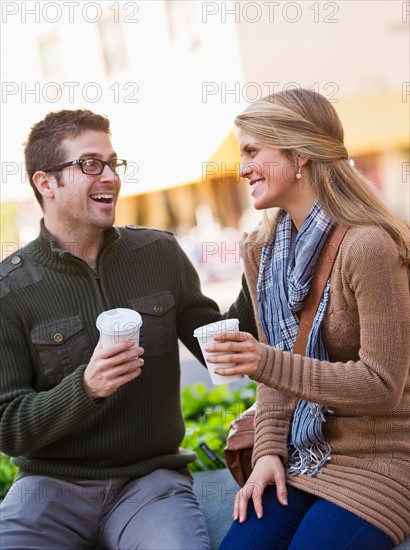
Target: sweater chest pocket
[
  {"x": 61, "y": 346},
  {"x": 158, "y": 332}
]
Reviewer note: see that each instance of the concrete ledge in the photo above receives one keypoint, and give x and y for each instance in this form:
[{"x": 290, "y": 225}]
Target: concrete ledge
[{"x": 215, "y": 491}]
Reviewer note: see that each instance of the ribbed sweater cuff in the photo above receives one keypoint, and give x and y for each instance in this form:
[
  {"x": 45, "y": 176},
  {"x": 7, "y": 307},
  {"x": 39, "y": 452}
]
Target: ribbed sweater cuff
[
  {"x": 268, "y": 442},
  {"x": 266, "y": 373},
  {"x": 287, "y": 372}
]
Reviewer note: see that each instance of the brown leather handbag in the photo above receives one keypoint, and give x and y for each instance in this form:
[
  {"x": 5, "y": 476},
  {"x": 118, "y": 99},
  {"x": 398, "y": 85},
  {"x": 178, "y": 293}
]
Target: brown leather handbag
[{"x": 241, "y": 437}]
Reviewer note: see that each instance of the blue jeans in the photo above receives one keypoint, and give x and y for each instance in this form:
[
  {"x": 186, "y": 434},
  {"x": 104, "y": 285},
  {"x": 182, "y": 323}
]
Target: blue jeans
[{"x": 307, "y": 523}]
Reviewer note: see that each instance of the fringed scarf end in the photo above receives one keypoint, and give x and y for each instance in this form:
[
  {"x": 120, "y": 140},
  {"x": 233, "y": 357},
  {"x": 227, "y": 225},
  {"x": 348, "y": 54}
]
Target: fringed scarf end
[{"x": 308, "y": 461}]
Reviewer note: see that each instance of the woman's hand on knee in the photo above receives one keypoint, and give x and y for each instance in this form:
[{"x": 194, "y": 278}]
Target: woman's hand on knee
[{"x": 268, "y": 470}]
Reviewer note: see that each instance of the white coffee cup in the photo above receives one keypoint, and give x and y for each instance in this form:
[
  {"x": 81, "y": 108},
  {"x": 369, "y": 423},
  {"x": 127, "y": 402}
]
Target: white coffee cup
[
  {"x": 118, "y": 325},
  {"x": 205, "y": 335}
]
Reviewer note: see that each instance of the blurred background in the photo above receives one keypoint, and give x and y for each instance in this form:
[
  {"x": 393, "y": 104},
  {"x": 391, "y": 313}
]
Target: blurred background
[{"x": 172, "y": 75}]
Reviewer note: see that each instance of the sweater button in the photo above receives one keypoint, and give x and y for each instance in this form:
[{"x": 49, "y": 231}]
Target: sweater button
[
  {"x": 158, "y": 308},
  {"x": 58, "y": 337},
  {"x": 16, "y": 260}
]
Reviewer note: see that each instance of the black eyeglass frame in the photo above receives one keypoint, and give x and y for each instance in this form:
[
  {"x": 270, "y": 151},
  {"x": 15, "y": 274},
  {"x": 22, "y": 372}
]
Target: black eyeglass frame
[{"x": 80, "y": 162}]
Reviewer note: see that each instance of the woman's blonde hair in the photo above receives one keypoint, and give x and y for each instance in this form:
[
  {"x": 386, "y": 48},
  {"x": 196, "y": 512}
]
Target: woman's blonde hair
[{"x": 303, "y": 122}]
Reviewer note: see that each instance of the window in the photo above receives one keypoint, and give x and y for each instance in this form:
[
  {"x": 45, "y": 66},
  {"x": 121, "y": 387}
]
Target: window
[
  {"x": 113, "y": 45},
  {"x": 182, "y": 23},
  {"x": 50, "y": 58}
]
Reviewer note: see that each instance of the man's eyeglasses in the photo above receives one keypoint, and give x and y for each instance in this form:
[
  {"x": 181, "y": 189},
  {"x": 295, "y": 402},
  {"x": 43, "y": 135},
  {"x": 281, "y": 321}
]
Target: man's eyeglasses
[{"x": 94, "y": 167}]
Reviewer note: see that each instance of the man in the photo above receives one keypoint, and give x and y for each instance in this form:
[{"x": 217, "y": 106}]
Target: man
[{"x": 95, "y": 431}]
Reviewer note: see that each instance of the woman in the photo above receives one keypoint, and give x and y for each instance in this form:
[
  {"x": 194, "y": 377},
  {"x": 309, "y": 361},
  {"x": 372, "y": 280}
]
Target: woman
[{"x": 331, "y": 456}]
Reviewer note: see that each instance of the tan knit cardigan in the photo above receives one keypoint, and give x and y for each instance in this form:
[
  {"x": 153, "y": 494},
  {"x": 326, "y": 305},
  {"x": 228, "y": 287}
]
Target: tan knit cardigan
[{"x": 365, "y": 382}]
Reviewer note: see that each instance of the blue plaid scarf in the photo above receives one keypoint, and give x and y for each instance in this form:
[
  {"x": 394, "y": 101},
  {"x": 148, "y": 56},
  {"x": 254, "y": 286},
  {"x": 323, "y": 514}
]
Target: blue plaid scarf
[{"x": 287, "y": 266}]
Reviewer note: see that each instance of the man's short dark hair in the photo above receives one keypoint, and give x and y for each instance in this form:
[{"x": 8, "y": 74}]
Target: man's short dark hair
[{"x": 44, "y": 147}]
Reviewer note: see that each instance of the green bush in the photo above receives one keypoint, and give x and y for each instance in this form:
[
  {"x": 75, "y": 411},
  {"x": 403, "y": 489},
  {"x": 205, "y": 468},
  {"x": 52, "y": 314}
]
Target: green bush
[
  {"x": 207, "y": 414},
  {"x": 7, "y": 473}
]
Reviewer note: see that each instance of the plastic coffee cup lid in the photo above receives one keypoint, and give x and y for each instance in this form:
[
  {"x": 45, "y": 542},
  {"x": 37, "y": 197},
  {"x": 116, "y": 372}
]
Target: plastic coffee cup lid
[
  {"x": 225, "y": 325},
  {"x": 119, "y": 320}
]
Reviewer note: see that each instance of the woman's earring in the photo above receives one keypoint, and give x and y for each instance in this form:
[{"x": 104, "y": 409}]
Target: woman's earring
[{"x": 299, "y": 173}]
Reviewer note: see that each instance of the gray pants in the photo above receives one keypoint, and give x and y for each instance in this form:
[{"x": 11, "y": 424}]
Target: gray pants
[{"x": 156, "y": 512}]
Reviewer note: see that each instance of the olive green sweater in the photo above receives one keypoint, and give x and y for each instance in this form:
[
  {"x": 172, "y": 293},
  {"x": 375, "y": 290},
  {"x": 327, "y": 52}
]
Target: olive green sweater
[
  {"x": 49, "y": 301},
  {"x": 365, "y": 382}
]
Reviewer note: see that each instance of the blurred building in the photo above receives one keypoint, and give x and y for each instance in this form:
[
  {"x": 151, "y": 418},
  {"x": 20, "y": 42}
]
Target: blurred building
[{"x": 172, "y": 75}]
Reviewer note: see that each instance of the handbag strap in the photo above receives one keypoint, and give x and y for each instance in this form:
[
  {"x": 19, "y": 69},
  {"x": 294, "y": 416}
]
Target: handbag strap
[{"x": 322, "y": 272}]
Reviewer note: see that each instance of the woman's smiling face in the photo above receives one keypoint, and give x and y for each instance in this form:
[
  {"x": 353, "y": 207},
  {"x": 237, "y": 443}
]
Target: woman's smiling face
[{"x": 271, "y": 175}]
